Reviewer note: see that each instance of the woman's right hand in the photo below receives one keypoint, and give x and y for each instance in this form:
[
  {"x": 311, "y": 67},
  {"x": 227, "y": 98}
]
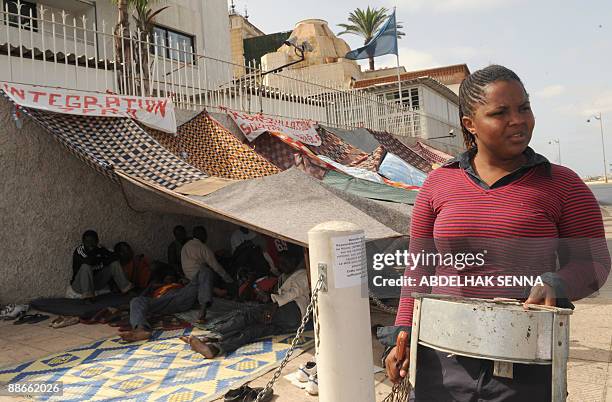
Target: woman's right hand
[{"x": 397, "y": 369}]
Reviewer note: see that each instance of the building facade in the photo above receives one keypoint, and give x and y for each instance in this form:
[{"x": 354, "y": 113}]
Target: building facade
[
  {"x": 71, "y": 43},
  {"x": 429, "y": 96}
]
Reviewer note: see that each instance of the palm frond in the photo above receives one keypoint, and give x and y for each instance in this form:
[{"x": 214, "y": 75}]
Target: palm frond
[{"x": 366, "y": 23}]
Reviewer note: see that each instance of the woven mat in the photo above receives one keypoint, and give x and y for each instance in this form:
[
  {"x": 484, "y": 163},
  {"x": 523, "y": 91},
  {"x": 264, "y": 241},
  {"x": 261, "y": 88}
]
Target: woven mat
[{"x": 163, "y": 369}]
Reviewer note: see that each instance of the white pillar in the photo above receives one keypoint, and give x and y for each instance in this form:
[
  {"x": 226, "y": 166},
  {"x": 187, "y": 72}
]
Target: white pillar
[{"x": 345, "y": 366}]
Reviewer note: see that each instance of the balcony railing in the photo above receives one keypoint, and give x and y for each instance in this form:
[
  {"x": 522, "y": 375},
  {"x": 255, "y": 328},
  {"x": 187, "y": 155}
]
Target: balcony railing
[{"x": 79, "y": 54}]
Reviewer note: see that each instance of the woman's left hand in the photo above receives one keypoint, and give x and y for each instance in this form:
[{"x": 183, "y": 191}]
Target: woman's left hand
[{"x": 542, "y": 294}]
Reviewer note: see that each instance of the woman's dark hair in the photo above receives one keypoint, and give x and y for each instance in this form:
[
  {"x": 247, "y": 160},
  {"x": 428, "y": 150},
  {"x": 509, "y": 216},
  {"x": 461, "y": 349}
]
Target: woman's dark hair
[{"x": 471, "y": 93}]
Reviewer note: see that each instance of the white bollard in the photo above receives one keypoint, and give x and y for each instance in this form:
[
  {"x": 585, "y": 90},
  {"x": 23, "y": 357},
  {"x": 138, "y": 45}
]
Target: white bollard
[{"x": 345, "y": 366}]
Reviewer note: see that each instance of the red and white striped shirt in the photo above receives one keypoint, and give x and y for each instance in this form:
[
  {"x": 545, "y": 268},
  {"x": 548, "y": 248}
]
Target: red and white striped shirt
[{"x": 523, "y": 226}]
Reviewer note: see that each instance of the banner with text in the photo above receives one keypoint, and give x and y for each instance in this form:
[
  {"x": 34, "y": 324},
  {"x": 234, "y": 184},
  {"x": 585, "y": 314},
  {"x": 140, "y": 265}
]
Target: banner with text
[
  {"x": 253, "y": 125},
  {"x": 157, "y": 113}
]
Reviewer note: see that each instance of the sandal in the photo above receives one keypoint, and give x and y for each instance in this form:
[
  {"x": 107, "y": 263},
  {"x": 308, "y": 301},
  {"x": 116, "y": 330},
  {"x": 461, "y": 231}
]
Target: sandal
[
  {"x": 120, "y": 323},
  {"x": 252, "y": 395},
  {"x": 238, "y": 394},
  {"x": 64, "y": 322},
  {"x": 111, "y": 314},
  {"x": 30, "y": 319},
  {"x": 247, "y": 394}
]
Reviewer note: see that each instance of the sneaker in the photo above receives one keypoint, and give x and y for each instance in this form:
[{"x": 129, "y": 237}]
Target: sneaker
[
  {"x": 12, "y": 311},
  {"x": 306, "y": 370},
  {"x": 313, "y": 385}
]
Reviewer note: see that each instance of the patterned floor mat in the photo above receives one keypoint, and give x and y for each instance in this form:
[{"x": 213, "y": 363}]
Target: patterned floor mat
[{"x": 164, "y": 369}]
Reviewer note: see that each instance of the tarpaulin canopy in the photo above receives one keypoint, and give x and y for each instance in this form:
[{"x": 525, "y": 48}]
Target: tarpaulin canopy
[
  {"x": 395, "y": 146},
  {"x": 109, "y": 143},
  {"x": 284, "y": 205},
  {"x": 359, "y": 137},
  {"x": 430, "y": 153},
  {"x": 368, "y": 189},
  {"x": 207, "y": 145}
]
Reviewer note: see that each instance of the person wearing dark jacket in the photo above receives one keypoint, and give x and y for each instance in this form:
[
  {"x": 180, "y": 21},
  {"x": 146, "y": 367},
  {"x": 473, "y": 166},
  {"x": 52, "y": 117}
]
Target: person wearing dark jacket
[
  {"x": 94, "y": 266},
  {"x": 174, "y": 249}
]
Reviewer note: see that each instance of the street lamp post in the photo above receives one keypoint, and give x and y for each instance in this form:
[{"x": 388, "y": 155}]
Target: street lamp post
[
  {"x": 603, "y": 146},
  {"x": 556, "y": 141}
]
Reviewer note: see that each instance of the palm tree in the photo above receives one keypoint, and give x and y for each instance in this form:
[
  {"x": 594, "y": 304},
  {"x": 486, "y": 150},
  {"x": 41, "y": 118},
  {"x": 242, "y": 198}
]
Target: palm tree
[
  {"x": 365, "y": 23},
  {"x": 145, "y": 19},
  {"x": 123, "y": 45}
]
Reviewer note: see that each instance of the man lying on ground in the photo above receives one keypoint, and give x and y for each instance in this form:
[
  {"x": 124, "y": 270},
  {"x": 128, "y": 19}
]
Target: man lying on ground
[
  {"x": 94, "y": 267},
  {"x": 198, "y": 263},
  {"x": 281, "y": 312}
]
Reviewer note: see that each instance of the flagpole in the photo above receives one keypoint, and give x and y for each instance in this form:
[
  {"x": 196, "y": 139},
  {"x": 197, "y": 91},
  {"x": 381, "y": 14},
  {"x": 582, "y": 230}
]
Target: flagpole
[{"x": 399, "y": 80}]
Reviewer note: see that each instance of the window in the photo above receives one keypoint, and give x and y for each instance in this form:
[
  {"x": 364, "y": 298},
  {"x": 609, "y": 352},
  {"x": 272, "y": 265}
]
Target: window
[
  {"x": 410, "y": 97},
  {"x": 167, "y": 41},
  {"x": 20, "y": 17}
]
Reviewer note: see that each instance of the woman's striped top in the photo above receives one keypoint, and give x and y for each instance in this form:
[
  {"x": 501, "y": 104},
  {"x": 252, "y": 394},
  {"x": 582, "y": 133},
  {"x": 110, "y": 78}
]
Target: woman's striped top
[{"x": 520, "y": 228}]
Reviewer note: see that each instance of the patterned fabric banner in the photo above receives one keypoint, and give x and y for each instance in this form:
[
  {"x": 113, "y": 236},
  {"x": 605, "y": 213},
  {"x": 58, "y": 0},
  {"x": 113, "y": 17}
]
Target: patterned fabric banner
[
  {"x": 156, "y": 113},
  {"x": 253, "y": 125}
]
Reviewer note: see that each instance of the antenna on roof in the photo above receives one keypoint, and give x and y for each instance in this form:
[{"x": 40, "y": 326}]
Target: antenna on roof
[
  {"x": 246, "y": 13},
  {"x": 233, "y": 8}
]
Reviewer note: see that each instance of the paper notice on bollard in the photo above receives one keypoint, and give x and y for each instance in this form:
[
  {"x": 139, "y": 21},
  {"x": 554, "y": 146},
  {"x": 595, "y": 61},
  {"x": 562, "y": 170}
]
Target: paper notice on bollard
[{"x": 349, "y": 259}]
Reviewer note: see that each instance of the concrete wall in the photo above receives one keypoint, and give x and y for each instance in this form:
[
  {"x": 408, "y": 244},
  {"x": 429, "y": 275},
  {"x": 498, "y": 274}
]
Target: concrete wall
[
  {"x": 446, "y": 113},
  {"x": 49, "y": 198}
]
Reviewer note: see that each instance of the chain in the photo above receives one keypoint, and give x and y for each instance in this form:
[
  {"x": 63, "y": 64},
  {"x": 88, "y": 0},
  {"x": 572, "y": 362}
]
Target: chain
[
  {"x": 313, "y": 302},
  {"x": 381, "y": 305}
]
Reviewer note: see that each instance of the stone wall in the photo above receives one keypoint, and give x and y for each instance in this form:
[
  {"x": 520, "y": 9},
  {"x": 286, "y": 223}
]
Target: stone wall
[{"x": 49, "y": 198}]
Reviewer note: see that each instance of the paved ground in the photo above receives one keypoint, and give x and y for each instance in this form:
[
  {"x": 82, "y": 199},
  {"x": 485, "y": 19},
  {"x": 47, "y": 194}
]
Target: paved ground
[{"x": 589, "y": 369}]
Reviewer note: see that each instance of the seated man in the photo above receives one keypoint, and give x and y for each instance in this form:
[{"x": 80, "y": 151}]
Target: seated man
[
  {"x": 198, "y": 264},
  {"x": 239, "y": 236},
  {"x": 281, "y": 313},
  {"x": 175, "y": 248},
  {"x": 137, "y": 268},
  {"x": 94, "y": 266}
]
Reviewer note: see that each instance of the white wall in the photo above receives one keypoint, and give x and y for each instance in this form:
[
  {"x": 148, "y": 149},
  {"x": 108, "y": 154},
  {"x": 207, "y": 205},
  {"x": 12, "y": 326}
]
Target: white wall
[{"x": 445, "y": 116}]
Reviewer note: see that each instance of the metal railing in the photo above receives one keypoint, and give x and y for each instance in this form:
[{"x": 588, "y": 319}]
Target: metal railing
[{"x": 75, "y": 54}]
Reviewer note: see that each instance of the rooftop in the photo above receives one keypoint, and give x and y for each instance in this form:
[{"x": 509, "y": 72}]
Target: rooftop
[{"x": 447, "y": 75}]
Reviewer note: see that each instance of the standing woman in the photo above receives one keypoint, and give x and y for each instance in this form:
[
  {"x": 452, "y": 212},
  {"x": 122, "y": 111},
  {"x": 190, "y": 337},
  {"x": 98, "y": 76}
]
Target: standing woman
[{"x": 532, "y": 217}]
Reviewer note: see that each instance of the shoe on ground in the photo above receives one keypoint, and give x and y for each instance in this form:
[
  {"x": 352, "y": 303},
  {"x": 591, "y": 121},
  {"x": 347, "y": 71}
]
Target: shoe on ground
[
  {"x": 12, "y": 311},
  {"x": 306, "y": 370},
  {"x": 313, "y": 385}
]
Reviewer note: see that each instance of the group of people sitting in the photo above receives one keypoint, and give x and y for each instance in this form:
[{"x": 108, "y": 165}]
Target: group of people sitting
[{"x": 269, "y": 272}]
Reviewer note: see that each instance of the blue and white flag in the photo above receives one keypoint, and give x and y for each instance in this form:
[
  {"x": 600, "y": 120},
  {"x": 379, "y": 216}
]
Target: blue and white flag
[{"x": 384, "y": 42}]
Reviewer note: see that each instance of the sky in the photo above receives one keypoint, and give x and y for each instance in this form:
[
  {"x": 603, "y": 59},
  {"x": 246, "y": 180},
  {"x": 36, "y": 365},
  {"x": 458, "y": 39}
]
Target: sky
[{"x": 562, "y": 50}]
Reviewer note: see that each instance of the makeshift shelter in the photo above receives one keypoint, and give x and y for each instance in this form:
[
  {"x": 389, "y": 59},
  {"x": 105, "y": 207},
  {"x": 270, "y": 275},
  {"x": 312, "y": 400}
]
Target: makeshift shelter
[
  {"x": 430, "y": 153},
  {"x": 372, "y": 162},
  {"x": 395, "y": 146},
  {"x": 359, "y": 138},
  {"x": 207, "y": 145},
  {"x": 149, "y": 175},
  {"x": 108, "y": 143},
  {"x": 336, "y": 149},
  {"x": 283, "y": 155}
]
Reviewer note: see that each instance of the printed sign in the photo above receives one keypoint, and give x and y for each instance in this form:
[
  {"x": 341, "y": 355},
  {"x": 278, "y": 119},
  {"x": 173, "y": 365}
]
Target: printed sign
[
  {"x": 253, "y": 125},
  {"x": 157, "y": 113},
  {"x": 349, "y": 258}
]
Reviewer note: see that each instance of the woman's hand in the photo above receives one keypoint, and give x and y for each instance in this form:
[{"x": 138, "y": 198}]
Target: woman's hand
[
  {"x": 397, "y": 369},
  {"x": 542, "y": 294}
]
